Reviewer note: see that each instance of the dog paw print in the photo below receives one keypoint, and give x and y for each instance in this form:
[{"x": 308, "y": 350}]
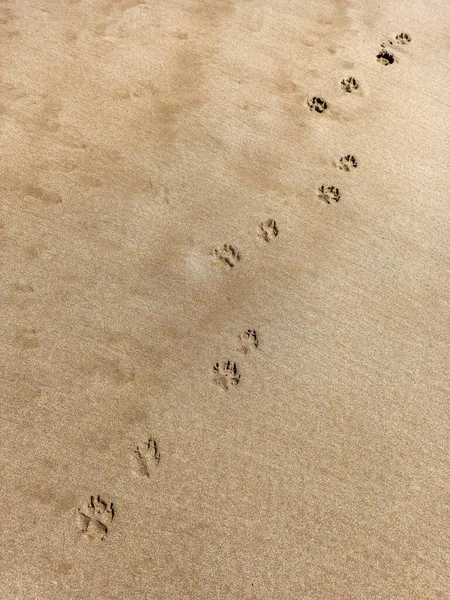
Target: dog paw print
[
  {"x": 385, "y": 57},
  {"x": 268, "y": 230},
  {"x": 329, "y": 194},
  {"x": 226, "y": 374},
  {"x": 402, "y": 38},
  {"x": 227, "y": 255},
  {"x": 347, "y": 163},
  {"x": 349, "y": 85},
  {"x": 95, "y": 519},
  {"x": 147, "y": 457},
  {"x": 317, "y": 104},
  {"x": 249, "y": 340}
]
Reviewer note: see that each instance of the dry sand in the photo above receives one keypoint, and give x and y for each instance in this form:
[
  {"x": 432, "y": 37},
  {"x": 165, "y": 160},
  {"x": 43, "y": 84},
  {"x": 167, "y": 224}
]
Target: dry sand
[{"x": 214, "y": 383}]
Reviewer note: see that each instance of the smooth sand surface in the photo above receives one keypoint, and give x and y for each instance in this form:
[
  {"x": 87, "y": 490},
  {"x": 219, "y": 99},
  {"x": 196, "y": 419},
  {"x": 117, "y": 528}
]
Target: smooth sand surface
[{"x": 223, "y": 349}]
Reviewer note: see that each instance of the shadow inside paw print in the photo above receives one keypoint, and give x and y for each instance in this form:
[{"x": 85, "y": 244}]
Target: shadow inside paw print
[
  {"x": 403, "y": 38},
  {"x": 227, "y": 255},
  {"x": 94, "y": 520},
  {"x": 268, "y": 230},
  {"x": 249, "y": 340},
  {"x": 349, "y": 85},
  {"x": 329, "y": 194},
  {"x": 347, "y": 163},
  {"x": 385, "y": 58},
  {"x": 317, "y": 104},
  {"x": 226, "y": 374},
  {"x": 147, "y": 457}
]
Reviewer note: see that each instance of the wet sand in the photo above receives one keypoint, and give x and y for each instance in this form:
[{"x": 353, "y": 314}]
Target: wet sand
[{"x": 223, "y": 303}]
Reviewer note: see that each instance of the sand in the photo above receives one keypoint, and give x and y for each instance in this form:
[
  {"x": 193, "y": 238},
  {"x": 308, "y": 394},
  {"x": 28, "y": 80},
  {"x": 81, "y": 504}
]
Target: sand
[{"x": 223, "y": 299}]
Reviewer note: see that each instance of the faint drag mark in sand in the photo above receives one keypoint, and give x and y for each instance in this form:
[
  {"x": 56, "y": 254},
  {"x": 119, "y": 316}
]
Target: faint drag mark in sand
[
  {"x": 249, "y": 341},
  {"x": 110, "y": 371},
  {"x": 347, "y": 163},
  {"x": 349, "y": 85},
  {"x": 317, "y": 104},
  {"x": 6, "y": 15},
  {"x": 268, "y": 230},
  {"x": 329, "y": 194},
  {"x": 227, "y": 255},
  {"x": 95, "y": 518},
  {"x": 226, "y": 374},
  {"x": 23, "y": 287},
  {"x": 37, "y": 112},
  {"x": 45, "y": 196},
  {"x": 28, "y": 340},
  {"x": 147, "y": 457}
]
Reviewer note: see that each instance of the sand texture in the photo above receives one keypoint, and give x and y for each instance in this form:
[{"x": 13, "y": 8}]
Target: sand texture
[{"x": 223, "y": 299}]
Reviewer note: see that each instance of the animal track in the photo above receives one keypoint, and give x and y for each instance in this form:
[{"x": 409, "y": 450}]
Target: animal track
[
  {"x": 268, "y": 230},
  {"x": 403, "y": 38},
  {"x": 249, "y": 340},
  {"x": 385, "y": 58},
  {"x": 347, "y": 163},
  {"x": 227, "y": 255},
  {"x": 94, "y": 520},
  {"x": 147, "y": 457},
  {"x": 349, "y": 85},
  {"x": 329, "y": 194},
  {"x": 317, "y": 104},
  {"x": 226, "y": 374}
]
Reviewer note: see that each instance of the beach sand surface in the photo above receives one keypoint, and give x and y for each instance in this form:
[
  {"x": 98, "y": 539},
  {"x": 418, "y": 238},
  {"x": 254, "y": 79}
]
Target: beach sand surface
[{"x": 223, "y": 299}]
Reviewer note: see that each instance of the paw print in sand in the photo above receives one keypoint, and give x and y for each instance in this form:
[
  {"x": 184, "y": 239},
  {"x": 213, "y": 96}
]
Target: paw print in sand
[
  {"x": 347, "y": 163},
  {"x": 227, "y": 255},
  {"x": 147, "y": 457},
  {"x": 385, "y": 58},
  {"x": 95, "y": 518},
  {"x": 329, "y": 194},
  {"x": 249, "y": 340},
  {"x": 349, "y": 85},
  {"x": 402, "y": 38},
  {"x": 317, "y": 104},
  {"x": 268, "y": 230},
  {"x": 226, "y": 374}
]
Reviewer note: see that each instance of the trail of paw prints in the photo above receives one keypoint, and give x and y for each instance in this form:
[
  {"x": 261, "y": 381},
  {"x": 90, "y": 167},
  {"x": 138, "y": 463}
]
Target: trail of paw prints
[
  {"x": 227, "y": 256},
  {"x": 147, "y": 457},
  {"x": 226, "y": 374},
  {"x": 386, "y": 56},
  {"x": 329, "y": 194},
  {"x": 94, "y": 519}
]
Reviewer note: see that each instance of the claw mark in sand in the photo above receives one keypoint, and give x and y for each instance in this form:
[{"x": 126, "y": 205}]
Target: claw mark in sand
[
  {"x": 268, "y": 230},
  {"x": 147, "y": 457},
  {"x": 226, "y": 374},
  {"x": 95, "y": 518},
  {"x": 329, "y": 194},
  {"x": 227, "y": 255}
]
